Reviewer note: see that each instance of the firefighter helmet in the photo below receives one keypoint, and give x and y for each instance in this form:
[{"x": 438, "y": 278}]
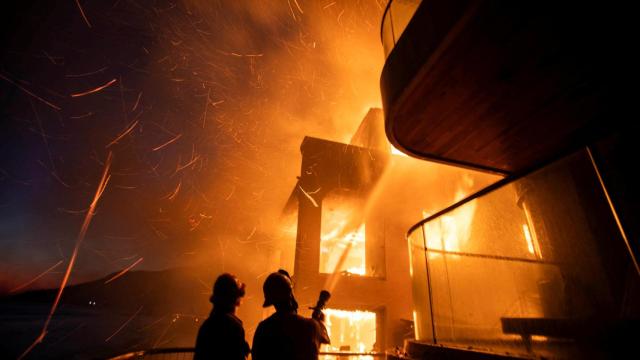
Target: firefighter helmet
[
  {"x": 227, "y": 290},
  {"x": 277, "y": 288}
]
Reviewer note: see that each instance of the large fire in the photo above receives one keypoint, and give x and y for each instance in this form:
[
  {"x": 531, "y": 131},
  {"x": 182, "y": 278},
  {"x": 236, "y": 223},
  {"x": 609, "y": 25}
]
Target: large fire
[
  {"x": 353, "y": 331},
  {"x": 342, "y": 245}
]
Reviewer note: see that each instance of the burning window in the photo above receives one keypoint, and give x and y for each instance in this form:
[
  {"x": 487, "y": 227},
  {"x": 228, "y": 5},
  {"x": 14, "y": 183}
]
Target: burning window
[
  {"x": 353, "y": 331},
  {"x": 342, "y": 242}
]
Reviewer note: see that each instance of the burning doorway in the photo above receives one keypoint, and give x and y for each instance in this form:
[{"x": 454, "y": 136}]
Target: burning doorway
[{"x": 353, "y": 331}]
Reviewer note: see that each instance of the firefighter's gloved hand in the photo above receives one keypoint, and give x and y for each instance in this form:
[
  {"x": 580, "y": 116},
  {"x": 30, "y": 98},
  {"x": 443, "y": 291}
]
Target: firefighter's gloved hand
[{"x": 317, "y": 315}]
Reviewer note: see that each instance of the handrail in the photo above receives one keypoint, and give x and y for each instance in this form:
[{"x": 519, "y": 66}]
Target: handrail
[
  {"x": 510, "y": 178},
  {"x": 347, "y": 353},
  {"x": 423, "y": 225},
  {"x": 398, "y": 19},
  {"x": 614, "y": 212},
  {"x": 495, "y": 257},
  {"x": 495, "y": 186},
  {"x": 184, "y": 350},
  {"x": 477, "y": 194},
  {"x": 156, "y": 351},
  {"x": 384, "y": 16}
]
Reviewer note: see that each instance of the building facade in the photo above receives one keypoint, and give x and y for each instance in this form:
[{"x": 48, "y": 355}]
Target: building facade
[{"x": 545, "y": 261}]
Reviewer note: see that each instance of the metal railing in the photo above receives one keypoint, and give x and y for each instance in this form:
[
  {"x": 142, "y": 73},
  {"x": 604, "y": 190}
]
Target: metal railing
[
  {"x": 160, "y": 353},
  {"x": 395, "y": 19},
  {"x": 187, "y": 354}
]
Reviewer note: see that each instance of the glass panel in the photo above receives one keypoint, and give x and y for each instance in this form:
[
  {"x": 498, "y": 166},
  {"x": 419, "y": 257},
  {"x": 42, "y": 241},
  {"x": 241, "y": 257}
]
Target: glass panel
[
  {"x": 472, "y": 294},
  {"x": 387, "y": 34},
  {"x": 527, "y": 267},
  {"x": 395, "y": 20},
  {"x": 401, "y": 12},
  {"x": 418, "y": 272},
  {"x": 492, "y": 235}
]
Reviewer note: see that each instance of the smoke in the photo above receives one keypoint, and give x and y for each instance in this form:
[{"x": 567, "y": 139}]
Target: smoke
[
  {"x": 268, "y": 74},
  {"x": 208, "y": 101},
  {"x": 232, "y": 87}
]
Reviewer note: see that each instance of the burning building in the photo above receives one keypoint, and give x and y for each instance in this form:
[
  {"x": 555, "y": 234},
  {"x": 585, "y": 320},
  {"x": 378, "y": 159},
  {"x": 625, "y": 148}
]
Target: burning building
[
  {"x": 543, "y": 263},
  {"x": 353, "y": 203},
  {"x": 340, "y": 245}
]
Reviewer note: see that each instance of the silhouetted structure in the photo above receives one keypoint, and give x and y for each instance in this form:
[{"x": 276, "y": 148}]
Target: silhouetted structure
[{"x": 544, "y": 262}]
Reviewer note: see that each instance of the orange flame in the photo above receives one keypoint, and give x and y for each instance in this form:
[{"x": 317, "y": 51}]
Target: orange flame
[{"x": 352, "y": 330}]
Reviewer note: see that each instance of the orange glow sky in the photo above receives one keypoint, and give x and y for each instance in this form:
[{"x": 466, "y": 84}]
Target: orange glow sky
[{"x": 204, "y": 105}]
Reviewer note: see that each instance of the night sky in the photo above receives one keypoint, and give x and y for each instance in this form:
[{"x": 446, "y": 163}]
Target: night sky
[{"x": 203, "y": 105}]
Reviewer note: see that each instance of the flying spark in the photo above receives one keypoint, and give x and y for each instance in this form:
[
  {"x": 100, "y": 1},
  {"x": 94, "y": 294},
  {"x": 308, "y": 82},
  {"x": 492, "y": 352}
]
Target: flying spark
[
  {"x": 123, "y": 325},
  {"x": 313, "y": 201},
  {"x": 29, "y": 92},
  {"x": 83, "y": 15},
  {"x": 124, "y": 271},
  {"x": 16, "y": 289},
  {"x": 167, "y": 143},
  {"x": 95, "y": 90},
  {"x": 119, "y": 137},
  {"x": 102, "y": 185}
]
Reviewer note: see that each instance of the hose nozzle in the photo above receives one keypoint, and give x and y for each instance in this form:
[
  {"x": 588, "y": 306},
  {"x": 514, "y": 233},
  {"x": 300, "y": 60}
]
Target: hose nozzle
[{"x": 320, "y": 305}]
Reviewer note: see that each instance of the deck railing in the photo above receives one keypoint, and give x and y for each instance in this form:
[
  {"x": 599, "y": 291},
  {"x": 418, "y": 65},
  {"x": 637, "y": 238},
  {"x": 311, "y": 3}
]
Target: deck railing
[
  {"x": 187, "y": 354},
  {"x": 396, "y": 16},
  {"x": 514, "y": 267}
]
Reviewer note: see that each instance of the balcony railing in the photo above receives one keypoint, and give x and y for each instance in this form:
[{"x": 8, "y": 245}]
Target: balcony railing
[
  {"x": 187, "y": 354},
  {"x": 396, "y": 17},
  {"x": 534, "y": 265}
]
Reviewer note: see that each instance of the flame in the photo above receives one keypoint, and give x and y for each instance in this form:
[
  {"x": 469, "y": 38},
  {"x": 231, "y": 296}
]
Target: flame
[
  {"x": 530, "y": 233},
  {"x": 333, "y": 246},
  {"x": 527, "y": 236},
  {"x": 416, "y": 327},
  {"x": 355, "y": 330},
  {"x": 341, "y": 249}
]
